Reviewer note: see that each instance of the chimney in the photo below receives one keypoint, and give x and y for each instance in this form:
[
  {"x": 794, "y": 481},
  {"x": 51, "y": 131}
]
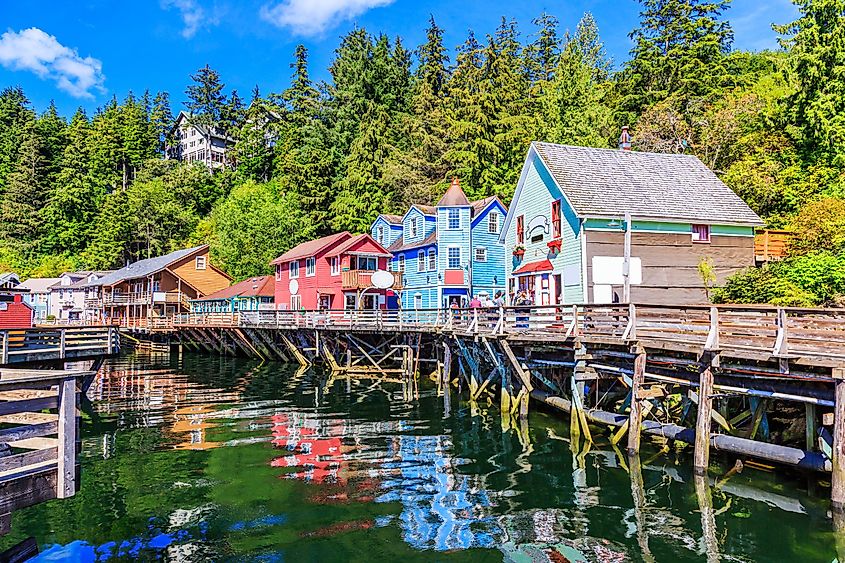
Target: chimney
[
  {"x": 625, "y": 139},
  {"x": 455, "y": 183}
]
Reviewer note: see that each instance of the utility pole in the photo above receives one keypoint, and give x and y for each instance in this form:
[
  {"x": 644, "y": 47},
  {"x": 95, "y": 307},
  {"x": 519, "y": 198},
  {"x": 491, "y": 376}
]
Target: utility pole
[{"x": 626, "y": 260}]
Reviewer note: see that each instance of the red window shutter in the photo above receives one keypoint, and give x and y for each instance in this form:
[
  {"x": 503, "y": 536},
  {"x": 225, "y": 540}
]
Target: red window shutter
[
  {"x": 556, "y": 219},
  {"x": 520, "y": 229}
]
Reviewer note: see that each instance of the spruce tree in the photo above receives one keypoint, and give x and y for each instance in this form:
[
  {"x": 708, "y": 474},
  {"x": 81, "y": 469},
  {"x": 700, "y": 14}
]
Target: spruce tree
[
  {"x": 22, "y": 203},
  {"x": 15, "y": 115}
]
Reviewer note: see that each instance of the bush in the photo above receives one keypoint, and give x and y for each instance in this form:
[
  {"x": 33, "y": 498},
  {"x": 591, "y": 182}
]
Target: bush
[{"x": 763, "y": 285}]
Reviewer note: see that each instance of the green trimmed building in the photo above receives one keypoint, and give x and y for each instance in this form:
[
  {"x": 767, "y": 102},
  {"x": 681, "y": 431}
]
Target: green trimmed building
[{"x": 574, "y": 207}]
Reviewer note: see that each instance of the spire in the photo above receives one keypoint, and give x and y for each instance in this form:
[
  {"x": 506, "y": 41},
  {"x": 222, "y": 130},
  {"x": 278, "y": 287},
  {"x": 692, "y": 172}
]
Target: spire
[{"x": 454, "y": 196}]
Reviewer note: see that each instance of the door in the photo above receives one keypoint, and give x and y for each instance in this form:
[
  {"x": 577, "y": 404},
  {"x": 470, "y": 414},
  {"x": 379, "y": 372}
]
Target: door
[{"x": 558, "y": 289}]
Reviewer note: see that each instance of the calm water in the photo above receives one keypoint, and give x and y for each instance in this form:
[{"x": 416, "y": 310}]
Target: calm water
[{"x": 200, "y": 458}]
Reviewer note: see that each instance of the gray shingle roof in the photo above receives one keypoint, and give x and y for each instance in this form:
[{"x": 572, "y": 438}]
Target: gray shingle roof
[
  {"x": 146, "y": 267},
  {"x": 609, "y": 182}
]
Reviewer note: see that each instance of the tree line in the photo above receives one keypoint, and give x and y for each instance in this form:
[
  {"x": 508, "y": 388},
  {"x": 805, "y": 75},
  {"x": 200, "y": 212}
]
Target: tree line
[{"x": 391, "y": 125}]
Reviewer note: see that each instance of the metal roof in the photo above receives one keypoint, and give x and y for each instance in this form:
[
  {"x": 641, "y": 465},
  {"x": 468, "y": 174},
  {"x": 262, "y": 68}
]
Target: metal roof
[
  {"x": 262, "y": 286},
  {"x": 147, "y": 267},
  {"x": 311, "y": 247},
  {"x": 39, "y": 285},
  {"x": 610, "y": 182}
]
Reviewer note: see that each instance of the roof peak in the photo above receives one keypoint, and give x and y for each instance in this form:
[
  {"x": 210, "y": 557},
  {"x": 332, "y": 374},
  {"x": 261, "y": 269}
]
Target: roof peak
[{"x": 454, "y": 196}]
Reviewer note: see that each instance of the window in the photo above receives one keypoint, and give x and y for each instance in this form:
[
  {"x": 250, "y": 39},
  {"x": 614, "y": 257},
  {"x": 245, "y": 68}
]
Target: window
[
  {"x": 349, "y": 301},
  {"x": 701, "y": 233},
  {"x": 334, "y": 264},
  {"x": 418, "y": 301},
  {"x": 293, "y": 269},
  {"x": 454, "y": 258},
  {"x": 481, "y": 254},
  {"x": 199, "y": 263},
  {"x": 421, "y": 261},
  {"x": 556, "y": 219},
  {"x": 295, "y": 302},
  {"x": 414, "y": 228},
  {"x": 401, "y": 263},
  {"x": 310, "y": 266},
  {"x": 380, "y": 234},
  {"x": 432, "y": 260},
  {"x": 454, "y": 219},
  {"x": 278, "y": 272},
  {"x": 493, "y": 223},
  {"x": 520, "y": 229},
  {"x": 367, "y": 263}
]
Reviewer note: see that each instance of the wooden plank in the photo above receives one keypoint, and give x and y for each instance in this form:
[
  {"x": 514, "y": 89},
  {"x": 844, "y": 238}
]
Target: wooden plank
[
  {"x": 30, "y": 431},
  {"x": 701, "y": 456},
  {"x": 35, "y": 443},
  {"x": 41, "y": 403},
  {"x": 23, "y": 460},
  {"x": 636, "y": 414},
  {"x": 30, "y": 418},
  {"x": 68, "y": 422}
]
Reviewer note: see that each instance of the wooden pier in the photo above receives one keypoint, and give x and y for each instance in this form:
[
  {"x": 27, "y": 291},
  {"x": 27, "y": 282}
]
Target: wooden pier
[
  {"x": 758, "y": 383},
  {"x": 41, "y": 345}
]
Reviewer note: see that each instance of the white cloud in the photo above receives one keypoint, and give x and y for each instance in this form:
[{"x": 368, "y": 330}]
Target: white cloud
[
  {"x": 194, "y": 16},
  {"x": 313, "y": 17},
  {"x": 36, "y": 51}
]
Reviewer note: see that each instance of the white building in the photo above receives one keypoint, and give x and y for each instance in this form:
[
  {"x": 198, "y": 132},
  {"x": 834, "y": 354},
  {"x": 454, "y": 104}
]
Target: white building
[
  {"x": 198, "y": 143},
  {"x": 76, "y": 297}
]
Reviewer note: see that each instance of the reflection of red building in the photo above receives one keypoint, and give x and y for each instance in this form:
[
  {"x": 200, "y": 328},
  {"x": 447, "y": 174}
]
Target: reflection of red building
[{"x": 315, "y": 449}]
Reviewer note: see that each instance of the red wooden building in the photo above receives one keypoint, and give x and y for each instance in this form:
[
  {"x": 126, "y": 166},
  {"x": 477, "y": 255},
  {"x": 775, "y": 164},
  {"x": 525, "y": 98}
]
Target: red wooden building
[
  {"x": 333, "y": 272},
  {"x": 14, "y": 312}
]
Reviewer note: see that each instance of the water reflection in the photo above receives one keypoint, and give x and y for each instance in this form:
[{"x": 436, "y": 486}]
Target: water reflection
[{"x": 196, "y": 458}]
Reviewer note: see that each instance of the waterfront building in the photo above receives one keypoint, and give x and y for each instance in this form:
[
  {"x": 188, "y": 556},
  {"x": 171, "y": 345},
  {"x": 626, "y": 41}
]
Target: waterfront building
[
  {"x": 159, "y": 287},
  {"x": 448, "y": 252},
  {"x": 69, "y": 297},
  {"x": 574, "y": 207},
  {"x": 333, "y": 272},
  {"x": 252, "y": 294},
  {"x": 38, "y": 296}
]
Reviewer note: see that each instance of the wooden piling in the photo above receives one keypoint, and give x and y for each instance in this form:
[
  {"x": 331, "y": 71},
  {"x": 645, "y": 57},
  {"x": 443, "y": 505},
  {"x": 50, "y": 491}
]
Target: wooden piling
[
  {"x": 66, "y": 481},
  {"x": 837, "y": 479},
  {"x": 635, "y": 417},
  {"x": 701, "y": 459}
]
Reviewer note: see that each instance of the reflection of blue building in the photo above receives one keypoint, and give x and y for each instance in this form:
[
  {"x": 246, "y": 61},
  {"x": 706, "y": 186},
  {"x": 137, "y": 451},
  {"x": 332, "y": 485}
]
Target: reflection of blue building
[{"x": 440, "y": 509}]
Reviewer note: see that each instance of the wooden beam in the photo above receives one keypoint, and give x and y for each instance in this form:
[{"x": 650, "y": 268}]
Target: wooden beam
[
  {"x": 68, "y": 428},
  {"x": 837, "y": 480},
  {"x": 701, "y": 458},
  {"x": 637, "y": 379}
]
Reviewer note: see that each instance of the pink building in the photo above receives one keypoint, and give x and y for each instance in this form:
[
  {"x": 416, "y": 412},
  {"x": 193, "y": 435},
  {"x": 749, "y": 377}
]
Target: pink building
[{"x": 333, "y": 272}]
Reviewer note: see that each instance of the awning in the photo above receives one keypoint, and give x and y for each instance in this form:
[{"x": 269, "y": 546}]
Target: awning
[{"x": 539, "y": 266}]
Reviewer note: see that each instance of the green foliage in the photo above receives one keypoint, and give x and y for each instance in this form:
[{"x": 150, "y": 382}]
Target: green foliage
[
  {"x": 254, "y": 225},
  {"x": 762, "y": 285},
  {"x": 819, "y": 225}
]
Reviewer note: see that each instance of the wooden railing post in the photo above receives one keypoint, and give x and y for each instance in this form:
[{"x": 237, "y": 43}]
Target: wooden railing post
[
  {"x": 62, "y": 343},
  {"x": 66, "y": 483},
  {"x": 782, "y": 341},
  {"x": 631, "y": 329},
  {"x": 635, "y": 417},
  {"x": 712, "y": 343}
]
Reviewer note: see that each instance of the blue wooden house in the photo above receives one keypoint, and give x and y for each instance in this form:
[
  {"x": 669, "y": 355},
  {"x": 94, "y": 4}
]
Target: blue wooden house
[
  {"x": 590, "y": 225},
  {"x": 448, "y": 252}
]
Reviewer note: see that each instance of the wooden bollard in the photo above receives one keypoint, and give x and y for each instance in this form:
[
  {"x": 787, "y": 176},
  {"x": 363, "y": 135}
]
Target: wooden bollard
[
  {"x": 701, "y": 459},
  {"x": 837, "y": 478},
  {"x": 635, "y": 417}
]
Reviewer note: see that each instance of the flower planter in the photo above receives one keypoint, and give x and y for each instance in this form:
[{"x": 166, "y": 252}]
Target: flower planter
[{"x": 554, "y": 245}]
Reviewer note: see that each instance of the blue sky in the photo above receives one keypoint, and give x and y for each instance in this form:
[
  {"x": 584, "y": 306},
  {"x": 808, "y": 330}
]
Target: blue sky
[{"x": 85, "y": 51}]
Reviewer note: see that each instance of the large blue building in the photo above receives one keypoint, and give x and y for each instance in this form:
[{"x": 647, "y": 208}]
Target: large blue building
[{"x": 447, "y": 253}]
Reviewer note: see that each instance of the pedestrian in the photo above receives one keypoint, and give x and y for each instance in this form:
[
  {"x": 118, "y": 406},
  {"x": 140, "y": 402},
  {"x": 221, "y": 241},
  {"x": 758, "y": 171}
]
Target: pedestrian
[
  {"x": 475, "y": 302},
  {"x": 499, "y": 301}
]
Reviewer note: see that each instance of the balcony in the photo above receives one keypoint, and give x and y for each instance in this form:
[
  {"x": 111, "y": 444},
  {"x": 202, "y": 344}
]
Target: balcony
[
  {"x": 93, "y": 302},
  {"x": 115, "y": 299},
  {"x": 360, "y": 279}
]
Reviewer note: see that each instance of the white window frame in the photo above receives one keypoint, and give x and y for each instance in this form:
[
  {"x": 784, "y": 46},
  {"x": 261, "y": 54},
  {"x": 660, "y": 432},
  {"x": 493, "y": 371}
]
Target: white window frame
[
  {"x": 694, "y": 234},
  {"x": 449, "y": 258},
  {"x": 295, "y": 302},
  {"x": 293, "y": 269},
  {"x": 415, "y": 228},
  {"x": 493, "y": 222},
  {"x": 449, "y": 218},
  {"x": 417, "y": 301},
  {"x": 420, "y": 260},
  {"x": 380, "y": 234},
  {"x": 278, "y": 272},
  {"x": 310, "y": 267},
  {"x": 432, "y": 259},
  {"x": 482, "y": 257},
  {"x": 401, "y": 264},
  {"x": 334, "y": 265},
  {"x": 200, "y": 263}
]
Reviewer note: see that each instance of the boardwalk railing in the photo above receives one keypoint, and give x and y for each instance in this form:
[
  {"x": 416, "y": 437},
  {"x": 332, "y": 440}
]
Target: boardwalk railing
[
  {"x": 44, "y": 344},
  {"x": 764, "y": 331}
]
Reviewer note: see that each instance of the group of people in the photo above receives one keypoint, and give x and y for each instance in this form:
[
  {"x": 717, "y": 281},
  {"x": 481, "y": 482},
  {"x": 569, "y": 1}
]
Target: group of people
[{"x": 484, "y": 300}]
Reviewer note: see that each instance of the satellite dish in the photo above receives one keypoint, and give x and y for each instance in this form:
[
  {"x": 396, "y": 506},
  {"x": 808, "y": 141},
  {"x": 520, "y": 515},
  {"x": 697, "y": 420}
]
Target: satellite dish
[
  {"x": 381, "y": 279},
  {"x": 293, "y": 287}
]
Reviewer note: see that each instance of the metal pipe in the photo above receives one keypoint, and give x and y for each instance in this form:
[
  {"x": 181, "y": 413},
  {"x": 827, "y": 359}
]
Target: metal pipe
[{"x": 770, "y": 452}]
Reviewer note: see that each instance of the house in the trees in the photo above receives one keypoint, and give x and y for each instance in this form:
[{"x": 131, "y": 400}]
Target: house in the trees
[
  {"x": 252, "y": 294},
  {"x": 333, "y": 272},
  {"x": 38, "y": 296},
  {"x": 565, "y": 233},
  {"x": 192, "y": 142},
  {"x": 448, "y": 252},
  {"x": 70, "y": 297},
  {"x": 160, "y": 286}
]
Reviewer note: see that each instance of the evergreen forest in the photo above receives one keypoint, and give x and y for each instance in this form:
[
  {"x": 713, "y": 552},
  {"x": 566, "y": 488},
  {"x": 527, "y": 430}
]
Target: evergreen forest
[{"x": 393, "y": 123}]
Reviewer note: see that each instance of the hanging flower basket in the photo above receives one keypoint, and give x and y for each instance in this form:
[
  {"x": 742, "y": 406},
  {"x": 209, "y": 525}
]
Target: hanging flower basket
[
  {"x": 554, "y": 245},
  {"x": 519, "y": 251}
]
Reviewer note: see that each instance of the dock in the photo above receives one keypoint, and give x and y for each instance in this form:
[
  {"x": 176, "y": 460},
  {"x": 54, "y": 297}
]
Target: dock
[
  {"x": 713, "y": 377},
  {"x": 40, "y": 344}
]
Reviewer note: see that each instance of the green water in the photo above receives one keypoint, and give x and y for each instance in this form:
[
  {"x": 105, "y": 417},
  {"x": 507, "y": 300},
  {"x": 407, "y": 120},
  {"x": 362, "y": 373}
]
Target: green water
[{"x": 207, "y": 458}]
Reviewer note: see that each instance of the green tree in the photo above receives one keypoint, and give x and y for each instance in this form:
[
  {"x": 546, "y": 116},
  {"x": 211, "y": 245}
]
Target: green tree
[{"x": 22, "y": 203}]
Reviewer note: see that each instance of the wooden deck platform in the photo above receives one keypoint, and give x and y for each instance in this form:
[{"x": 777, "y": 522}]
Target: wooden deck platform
[{"x": 32, "y": 345}]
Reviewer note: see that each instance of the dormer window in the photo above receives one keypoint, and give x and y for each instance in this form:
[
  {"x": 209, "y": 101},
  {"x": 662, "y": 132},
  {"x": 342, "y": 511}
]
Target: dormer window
[
  {"x": 200, "y": 263},
  {"x": 701, "y": 233},
  {"x": 380, "y": 234},
  {"x": 454, "y": 219},
  {"x": 414, "y": 227},
  {"x": 493, "y": 223}
]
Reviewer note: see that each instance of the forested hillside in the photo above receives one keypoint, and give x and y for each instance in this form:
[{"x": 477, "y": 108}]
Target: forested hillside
[{"x": 394, "y": 123}]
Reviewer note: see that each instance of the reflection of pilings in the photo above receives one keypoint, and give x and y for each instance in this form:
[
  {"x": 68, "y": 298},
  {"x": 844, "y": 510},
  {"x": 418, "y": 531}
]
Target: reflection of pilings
[
  {"x": 708, "y": 518},
  {"x": 638, "y": 495},
  {"x": 731, "y": 444}
]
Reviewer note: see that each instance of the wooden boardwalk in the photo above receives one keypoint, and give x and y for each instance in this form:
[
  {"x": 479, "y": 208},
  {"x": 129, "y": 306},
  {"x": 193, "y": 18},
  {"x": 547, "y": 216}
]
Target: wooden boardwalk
[{"x": 33, "y": 345}]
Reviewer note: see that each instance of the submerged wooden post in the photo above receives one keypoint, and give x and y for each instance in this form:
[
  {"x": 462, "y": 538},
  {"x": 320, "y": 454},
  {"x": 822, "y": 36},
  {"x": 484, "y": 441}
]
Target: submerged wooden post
[
  {"x": 635, "y": 416},
  {"x": 705, "y": 409},
  {"x": 837, "y": 478},
  {"x": 66, "y": 480}
]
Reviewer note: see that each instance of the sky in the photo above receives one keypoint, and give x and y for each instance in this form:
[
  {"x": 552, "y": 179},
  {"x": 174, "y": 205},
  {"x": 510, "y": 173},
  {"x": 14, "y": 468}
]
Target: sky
[{"x": 81, "y": 53}]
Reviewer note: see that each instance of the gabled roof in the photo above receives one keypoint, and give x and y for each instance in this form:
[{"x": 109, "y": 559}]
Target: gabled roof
[
  {"x": 148, "y": 266},
  {"x": 39, "y": 285},
  {"x": 454, "y": 196},
  {"x": 312, "y": 247},
  {"x": 7, "y": 277},
  {"x": 671, "y": 187},
  {"x": 349, "y": 243},
  {"x": 391, "y": 219},
  {"x": 183, "y": 115},
  {"x": 399, "y": 244},
  {"x": 83, "y": 282},
  {"x": 262, "y": 286}
]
